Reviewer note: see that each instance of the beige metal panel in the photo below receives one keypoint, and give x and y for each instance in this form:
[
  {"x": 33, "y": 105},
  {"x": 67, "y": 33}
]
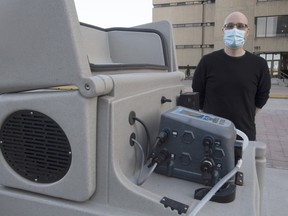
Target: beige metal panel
[
  {"x": 179, "y": 15},
  {"x": 188, "y": 36},
  {"x": 191, "y": 57},
  {"x": 161, "y": 14},
  {"x": 188, "y": 56},
  {"x": 161, "y": 1},
  {"x": 208, "y": 35},
  {"x": 271, "y": 8},
  {"x": 234, "y": 5},
  {"x": 172, "y": 1},
  {"x": 271, "y": 44},
  {"x": 209, "y": 13}
]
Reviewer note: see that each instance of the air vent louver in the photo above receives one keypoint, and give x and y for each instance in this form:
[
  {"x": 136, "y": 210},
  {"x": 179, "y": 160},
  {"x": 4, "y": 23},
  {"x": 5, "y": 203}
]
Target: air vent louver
[{"x": 35, "y": 146}]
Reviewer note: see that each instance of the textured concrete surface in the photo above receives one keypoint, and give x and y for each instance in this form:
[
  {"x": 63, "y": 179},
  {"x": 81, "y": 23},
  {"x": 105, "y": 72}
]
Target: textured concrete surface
[{"x": 272, "y": 129}]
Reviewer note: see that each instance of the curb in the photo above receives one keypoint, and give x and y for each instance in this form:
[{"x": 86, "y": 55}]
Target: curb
[{"x": 279, "y": 96}]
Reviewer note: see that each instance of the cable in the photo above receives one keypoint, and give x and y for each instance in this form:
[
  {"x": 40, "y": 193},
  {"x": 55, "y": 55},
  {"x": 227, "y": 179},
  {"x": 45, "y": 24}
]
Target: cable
[
  {"x": 151, "y": 163},
  {"x": 142, "y": 158},
  {"x": 155, "y": 143},
  {"x": 149, "y": 171},
  {"x": 211, "y": 193},
  {"x": 216, "y": 187},
  {"x": 147, "y": 133},
  {"x": 140, "y": 180},
  {"x": 244, "y": 137}
]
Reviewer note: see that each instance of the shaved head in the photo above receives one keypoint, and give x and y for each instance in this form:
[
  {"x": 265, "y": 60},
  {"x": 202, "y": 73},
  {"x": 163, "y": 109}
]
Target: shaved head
[{"x": 236, "y": 17}]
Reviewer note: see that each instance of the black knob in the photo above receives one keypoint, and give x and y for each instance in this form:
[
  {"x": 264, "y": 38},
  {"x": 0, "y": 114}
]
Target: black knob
[
  {"x": 207, "y": 166},
  {"x": 165, "y": 100},
  {"x": 207, "y": 143}
]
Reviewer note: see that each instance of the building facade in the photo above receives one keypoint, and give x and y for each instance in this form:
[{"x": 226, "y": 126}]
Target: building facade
[{"x": 197, "y": 27}]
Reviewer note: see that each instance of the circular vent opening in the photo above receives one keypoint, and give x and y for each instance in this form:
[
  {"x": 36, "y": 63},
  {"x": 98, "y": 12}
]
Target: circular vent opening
[{"x": 35, "y": 146}]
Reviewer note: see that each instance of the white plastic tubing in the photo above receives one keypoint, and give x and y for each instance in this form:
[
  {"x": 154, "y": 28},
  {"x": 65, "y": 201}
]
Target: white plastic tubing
[{"x": 216, "y": 187}]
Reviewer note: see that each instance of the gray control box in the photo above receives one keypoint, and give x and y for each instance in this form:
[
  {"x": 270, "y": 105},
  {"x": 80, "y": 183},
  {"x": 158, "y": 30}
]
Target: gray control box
[{"x": 200, "y": 146}]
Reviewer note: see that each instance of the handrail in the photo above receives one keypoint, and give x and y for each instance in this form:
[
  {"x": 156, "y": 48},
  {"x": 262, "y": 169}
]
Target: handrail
[{"x": 283, "y": 77}]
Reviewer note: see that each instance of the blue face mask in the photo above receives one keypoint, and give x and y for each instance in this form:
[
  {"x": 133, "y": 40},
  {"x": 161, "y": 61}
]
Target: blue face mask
[{"x": 234, "y": 38}]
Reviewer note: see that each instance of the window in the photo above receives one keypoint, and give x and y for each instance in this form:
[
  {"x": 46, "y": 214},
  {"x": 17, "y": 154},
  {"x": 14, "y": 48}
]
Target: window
[
  {"x": 194, "y": 46},
  {"x": 277, "y": 56},
  {"x": 184, "y": 3},
  {"x": 273, "y": 61},
  {"x": 261, "y": 27},
  {"x": 273, "y": 26},
  {"x": 269, "y": 57},
  {"x": 269, "y": 0},
  {"x": 282, "y": 27},
  {"x": 188, "y": 25}
]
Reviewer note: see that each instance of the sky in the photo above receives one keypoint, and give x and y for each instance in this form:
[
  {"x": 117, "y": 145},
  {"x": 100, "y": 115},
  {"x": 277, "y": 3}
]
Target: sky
[{"x": 114, "y": 13}]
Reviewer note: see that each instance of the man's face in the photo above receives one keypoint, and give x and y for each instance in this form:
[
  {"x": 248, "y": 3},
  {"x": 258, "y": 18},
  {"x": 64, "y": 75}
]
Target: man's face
[{"x": 238, "y": 21}]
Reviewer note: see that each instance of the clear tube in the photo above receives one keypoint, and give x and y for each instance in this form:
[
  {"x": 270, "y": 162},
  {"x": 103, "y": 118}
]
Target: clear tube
[
  {"x": 148, "y": 171},
  {"x": 142, "y": 178},
  {"x": 211, "y": 193},
  {"x": 244, "y": 137}
]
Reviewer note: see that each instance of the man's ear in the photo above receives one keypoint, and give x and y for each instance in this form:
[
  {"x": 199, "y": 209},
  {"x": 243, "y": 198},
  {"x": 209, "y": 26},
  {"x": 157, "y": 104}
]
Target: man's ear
[{"x": 247, "y": 33}]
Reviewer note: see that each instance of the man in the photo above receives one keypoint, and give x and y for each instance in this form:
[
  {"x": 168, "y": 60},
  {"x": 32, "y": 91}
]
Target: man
[{"x": 232, "y": 82}]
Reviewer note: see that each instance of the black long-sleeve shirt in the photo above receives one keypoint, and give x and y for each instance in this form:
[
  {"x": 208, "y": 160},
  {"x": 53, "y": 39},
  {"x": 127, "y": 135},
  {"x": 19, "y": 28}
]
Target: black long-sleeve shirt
[{"x": 232, "y": 87}]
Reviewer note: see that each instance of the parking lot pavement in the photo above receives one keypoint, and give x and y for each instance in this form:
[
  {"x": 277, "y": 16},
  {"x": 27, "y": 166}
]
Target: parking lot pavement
[{"x": 272, "y": 127}]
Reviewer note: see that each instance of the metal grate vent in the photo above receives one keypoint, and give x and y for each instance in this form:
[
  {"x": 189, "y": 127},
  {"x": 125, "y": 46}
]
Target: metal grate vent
[{"x": 35, "y": 146}]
